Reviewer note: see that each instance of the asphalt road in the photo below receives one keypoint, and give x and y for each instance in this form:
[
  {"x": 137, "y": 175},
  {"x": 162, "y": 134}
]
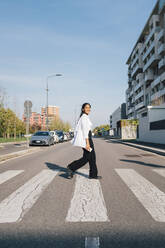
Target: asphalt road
[
  {"x": 40, "y": 207},
  {"x": 13, "y": 147}
]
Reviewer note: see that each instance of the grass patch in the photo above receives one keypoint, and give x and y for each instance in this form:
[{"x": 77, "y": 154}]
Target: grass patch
[{"x": 3, "y": 140}]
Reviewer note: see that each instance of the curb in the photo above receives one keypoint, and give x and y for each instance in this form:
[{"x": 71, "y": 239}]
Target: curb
[
  {"x": 144, "y": 148},
  {"x": 17, "y": 154}
]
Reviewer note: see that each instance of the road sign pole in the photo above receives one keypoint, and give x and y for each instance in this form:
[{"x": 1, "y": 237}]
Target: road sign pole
[{"x": 27, "y": 112}]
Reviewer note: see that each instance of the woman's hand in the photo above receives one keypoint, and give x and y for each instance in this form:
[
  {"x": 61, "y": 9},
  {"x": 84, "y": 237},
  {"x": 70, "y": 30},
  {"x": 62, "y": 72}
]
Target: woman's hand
[
  {"x": 87, "y": 148},
  {"x": 87, "y": 145}
]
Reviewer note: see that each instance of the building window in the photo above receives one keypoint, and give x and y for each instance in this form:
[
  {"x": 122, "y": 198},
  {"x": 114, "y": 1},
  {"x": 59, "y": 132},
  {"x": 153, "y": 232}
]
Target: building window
[
  {"x": 144, "y": 114},
  {"x": 157, "y": 125}
]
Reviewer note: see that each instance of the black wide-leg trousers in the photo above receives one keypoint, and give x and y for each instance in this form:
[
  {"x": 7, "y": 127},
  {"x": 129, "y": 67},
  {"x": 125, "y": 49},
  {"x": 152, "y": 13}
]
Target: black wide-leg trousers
[{"x": 87, "y": 157}]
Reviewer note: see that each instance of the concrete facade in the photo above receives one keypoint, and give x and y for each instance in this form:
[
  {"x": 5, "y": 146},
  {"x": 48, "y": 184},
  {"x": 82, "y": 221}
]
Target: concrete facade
[
  {"x": 117, "y": 115},
  {"x": 152, "y": 125}
]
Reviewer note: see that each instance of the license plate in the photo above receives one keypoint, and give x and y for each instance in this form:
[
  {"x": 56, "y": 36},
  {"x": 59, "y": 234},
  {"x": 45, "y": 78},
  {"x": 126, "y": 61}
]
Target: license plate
[{"x": 38, "y": 141}]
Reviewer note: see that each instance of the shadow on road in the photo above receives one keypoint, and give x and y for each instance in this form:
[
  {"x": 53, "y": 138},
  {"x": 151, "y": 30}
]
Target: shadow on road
[
  {"x": 142, "y": 163},
  {"x": 111, "y": 239},
  {"x": 60, "y": 168}
]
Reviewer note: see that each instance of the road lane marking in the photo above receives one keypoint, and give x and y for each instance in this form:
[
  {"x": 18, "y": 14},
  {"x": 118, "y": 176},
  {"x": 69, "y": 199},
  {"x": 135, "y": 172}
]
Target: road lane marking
[
  {"x": 160, "y": 172},
  {"x": 149, "y": 195},
  {"x": 87, "y": 204},
  {"x": 14, "y": 207},
  {"x": 92, "y": 242},
  {"x": 5, "y": 176}
]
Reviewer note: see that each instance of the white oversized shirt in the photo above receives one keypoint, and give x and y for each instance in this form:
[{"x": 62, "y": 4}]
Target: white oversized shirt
[{"x": 82, "y": 129}]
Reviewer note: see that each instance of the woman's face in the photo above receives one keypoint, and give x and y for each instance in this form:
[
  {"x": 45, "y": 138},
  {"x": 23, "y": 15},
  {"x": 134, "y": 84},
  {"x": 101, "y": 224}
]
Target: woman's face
[{"x": 87, "y": 109}]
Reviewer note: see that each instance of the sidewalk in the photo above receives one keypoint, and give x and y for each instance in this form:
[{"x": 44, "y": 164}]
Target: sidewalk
[{"x": 145, "y": 146}]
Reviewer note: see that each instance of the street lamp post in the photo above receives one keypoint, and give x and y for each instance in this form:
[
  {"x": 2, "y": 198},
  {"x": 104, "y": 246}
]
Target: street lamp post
[{"x": 47, "y": 89}]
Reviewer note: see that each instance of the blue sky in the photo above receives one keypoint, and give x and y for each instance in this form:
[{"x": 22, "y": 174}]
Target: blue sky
[{"x": 88, "y": 41}]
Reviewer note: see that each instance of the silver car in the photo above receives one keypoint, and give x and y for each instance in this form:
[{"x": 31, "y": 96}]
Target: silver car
[{"x": 41, "y": 138}]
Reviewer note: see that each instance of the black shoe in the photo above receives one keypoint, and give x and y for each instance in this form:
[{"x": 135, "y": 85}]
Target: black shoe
[
  {"x": 69, "y": 172},
  {"x": 97, "y": 177}
]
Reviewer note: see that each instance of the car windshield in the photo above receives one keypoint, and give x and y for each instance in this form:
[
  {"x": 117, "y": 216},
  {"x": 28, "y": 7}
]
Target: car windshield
[
  {"x": 59, "y": 133},
  {"x": 41, "y": 134}
]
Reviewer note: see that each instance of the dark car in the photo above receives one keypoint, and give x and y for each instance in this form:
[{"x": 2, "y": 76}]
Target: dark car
[
  {"x": 60, "y": 134},
  {"x": 41, "y": 138}
]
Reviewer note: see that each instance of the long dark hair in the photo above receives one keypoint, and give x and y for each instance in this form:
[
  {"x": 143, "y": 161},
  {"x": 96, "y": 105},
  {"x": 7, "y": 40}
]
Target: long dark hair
[{"x": 83, "y": 106}]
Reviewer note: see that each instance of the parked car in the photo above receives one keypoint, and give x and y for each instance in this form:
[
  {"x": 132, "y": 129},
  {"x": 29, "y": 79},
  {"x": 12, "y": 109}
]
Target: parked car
[
  {"x": 60, "y": 135},
  {"x": 55, "y": 136},
  {"x": 65, "y": 137},
  {"x": 41, "y": 138}
]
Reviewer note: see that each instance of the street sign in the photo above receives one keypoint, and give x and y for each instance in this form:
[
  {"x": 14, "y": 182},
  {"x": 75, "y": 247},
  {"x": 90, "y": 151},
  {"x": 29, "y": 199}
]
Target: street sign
[{"x": 27, "y": 108}]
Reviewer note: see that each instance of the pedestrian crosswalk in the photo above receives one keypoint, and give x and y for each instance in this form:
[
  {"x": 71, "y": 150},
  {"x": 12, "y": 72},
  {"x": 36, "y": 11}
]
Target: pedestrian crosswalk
[{"x": 87, "y": 202}]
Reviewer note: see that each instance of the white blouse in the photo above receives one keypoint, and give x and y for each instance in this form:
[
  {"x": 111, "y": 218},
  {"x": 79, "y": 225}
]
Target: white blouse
[{"x": 82, "y": 129}]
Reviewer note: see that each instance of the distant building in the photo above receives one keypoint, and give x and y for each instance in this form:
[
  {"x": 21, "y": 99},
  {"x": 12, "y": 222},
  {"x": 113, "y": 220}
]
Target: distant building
[
  {"x": 53, "y": 113},
  {"x": 117, "y": 115},
  {"x": 35, "y": 119}
]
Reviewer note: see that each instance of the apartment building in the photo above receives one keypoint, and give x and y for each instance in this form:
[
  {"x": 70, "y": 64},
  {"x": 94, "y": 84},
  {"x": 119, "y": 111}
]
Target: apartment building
[
  {"x": 145, "y": 95},
  {"x": 35, "y": 119},
  {"x": 53, "y": 113},
  {"x": 146, "y": 65}
]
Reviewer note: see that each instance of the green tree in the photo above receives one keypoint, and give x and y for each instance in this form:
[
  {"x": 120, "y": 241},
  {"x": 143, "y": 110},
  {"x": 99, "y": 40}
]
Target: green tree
[
  {"x": 10, "y": 124},
  {"x": 60, "y": 125},
  {"x": 100, "y": 129}
]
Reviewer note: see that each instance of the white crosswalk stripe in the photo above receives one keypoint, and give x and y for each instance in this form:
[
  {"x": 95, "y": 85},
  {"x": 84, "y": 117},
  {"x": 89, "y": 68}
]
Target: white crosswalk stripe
[
  {"x": 149, "y": 195},
  {"x": 87, "y": 204},
  {"x": 14, "y": 207},
  {"x": 160, "y": 172},
  {"x": 5, "y": 176}
]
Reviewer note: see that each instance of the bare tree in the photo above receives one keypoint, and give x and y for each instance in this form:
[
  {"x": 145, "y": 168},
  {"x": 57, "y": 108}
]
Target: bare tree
[{"x": 2, "y": 97}]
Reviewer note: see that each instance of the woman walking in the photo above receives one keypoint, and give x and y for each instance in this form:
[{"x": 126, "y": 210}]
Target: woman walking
[{"x": 83, "y": 138}]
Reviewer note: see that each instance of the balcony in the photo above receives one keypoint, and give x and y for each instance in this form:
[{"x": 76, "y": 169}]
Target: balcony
[
  {"x": 150, "y": 35},
  {"x": 131, "y": 110},
  {"x": 140, "y": 105},
  {"x": 138, "y": 85},
  {"x": 160, "y": 34},
  {"x": 161, "y": 63},
  {"x": 129, "y": 71},
  {"x": 131, "y": 93},
  {"x": 158, "y": 94},
  {"x": 155, "y": 82},
  {"x": 139, "y": 77},
  {"x": 136, "y": 69},
  {"x": 149, "y": 77},
  {"x": 161, "y": 49},
  {"x": 152, "y": 45},
  {"x": 140, "y": 94},
  {"x": 153, "y": 59}
]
